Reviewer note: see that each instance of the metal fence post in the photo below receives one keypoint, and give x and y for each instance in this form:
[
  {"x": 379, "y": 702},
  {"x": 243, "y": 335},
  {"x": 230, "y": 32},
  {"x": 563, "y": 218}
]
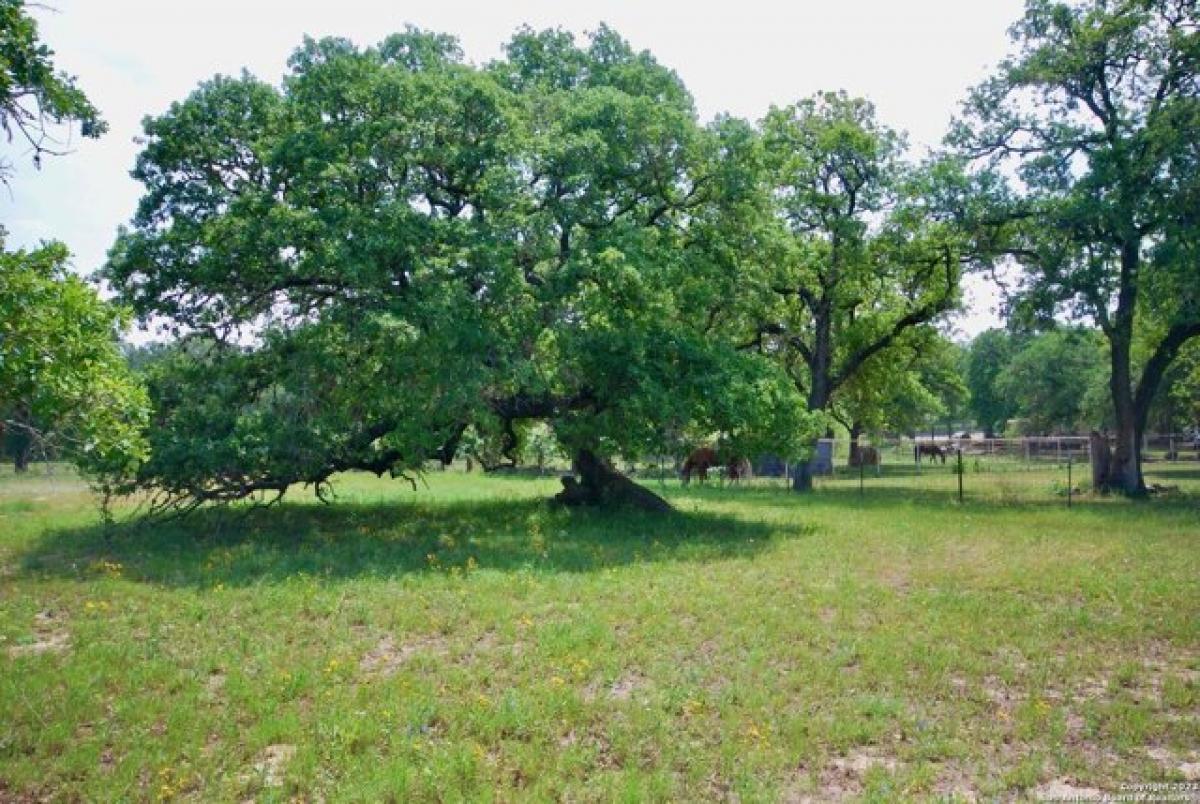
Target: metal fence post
[
  {"x": 1068, "y": 481},
  {"x": 960, "y": 475}
]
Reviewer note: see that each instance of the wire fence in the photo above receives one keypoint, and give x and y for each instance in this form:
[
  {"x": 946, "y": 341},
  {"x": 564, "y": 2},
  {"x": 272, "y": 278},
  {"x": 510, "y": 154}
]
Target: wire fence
[
  {"x": 1052, "y": 469},
  {"x": 1033, "y": 469}
]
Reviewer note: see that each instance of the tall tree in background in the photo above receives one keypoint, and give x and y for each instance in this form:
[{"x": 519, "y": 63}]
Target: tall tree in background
[
  {"x": 37, "y": 101},
  {"x": 1097, "y": 117},
  {"x": 855, "y": 259},
  {"x": 987, "y": 356},
  {"x": 414, "y": 246},
  {"x": 858, "y": 263},
  {"x": 1051, "y": 381}
]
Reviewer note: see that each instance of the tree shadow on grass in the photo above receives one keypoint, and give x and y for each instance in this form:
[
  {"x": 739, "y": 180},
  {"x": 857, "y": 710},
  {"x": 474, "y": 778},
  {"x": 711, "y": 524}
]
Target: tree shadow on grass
[{"x": 240, "y": 547}]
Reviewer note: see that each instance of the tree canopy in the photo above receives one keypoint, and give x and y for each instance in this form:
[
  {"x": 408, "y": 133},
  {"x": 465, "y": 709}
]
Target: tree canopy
[
  {"x": 1054, "y": 382},
  {"x": 394, "y": 246},
  {"x": 988, "y": 355},
  {"x": 917, "y": 379},
  {"x": 854, "y": 257}
]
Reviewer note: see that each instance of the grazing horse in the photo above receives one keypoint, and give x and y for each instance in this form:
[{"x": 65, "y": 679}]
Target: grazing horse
[
  {"x": 699, "y": 462},
  {"x": 932, "y": 450},
  {"x": 705, "y": 458}
]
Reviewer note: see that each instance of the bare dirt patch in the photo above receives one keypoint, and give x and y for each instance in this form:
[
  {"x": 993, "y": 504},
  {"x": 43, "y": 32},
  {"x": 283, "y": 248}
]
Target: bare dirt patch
[
  {"x": 954, "y": 783},
  {"x": 624, "y": 687},
  {"x": 858, "y": 762},
  {"x": 215, "y": 683},
  {"x": 621, "y": 689},
  {"x": 842, "y": 777},
  {"x": 1168, "y": 761},
  {"x": 50, "y": 636},
  {"x": 388, "y": 656},
  {"x": 273, "y": 762}
]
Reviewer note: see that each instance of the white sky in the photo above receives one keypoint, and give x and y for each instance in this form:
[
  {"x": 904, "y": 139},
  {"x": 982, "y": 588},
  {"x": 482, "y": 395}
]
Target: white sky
[{"x": 914, "y": 58}]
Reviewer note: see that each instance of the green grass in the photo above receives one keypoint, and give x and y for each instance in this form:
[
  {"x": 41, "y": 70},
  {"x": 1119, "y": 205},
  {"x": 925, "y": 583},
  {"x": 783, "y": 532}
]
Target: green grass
[{"x": 470, "y": 642}]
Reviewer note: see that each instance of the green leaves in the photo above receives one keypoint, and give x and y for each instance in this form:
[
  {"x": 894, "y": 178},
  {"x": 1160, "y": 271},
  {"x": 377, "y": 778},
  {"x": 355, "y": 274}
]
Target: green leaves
[
  {"x": 33, "y": 95},
  {"x": 62, "y": 376},
  {"x": 1089, "y": 135},
  {"x": 857, "y": 250}
]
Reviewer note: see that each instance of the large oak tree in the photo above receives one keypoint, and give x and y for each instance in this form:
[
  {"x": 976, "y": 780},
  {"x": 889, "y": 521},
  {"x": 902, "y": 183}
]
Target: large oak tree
[{"x": 395, "y": 245}]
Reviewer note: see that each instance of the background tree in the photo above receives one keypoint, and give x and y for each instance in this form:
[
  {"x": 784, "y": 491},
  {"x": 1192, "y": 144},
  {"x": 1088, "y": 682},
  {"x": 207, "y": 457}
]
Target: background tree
[
  {"x": 988, "y": 355},
  {"x": 1180, "y": 411},
  {"x": 64, "y": 386},
  {"x": 854, "y": 258},
  {"x": 36, "y": 99},
  {"x": 1097, "y": 119},
  {"x": 1052, "y": 382},
  {"x": 916, "y": 380},
  {"x": 397, "y": 246}
]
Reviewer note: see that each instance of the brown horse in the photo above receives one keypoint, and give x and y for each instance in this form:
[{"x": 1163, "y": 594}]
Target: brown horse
[
  {"x": 705, "y": 458},
  {"x": 698, "y": 462},
  {"x": 932, "y": 450}
]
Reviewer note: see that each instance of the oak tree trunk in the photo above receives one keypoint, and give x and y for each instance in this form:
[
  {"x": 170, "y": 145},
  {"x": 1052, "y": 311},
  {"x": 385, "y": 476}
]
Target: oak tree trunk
[
  {"x": 855, "y": 458},
  {"x": 1125, "y": 470},
  {"x": 598, "y": 483},
  {"x": 1101, "y": 459}
]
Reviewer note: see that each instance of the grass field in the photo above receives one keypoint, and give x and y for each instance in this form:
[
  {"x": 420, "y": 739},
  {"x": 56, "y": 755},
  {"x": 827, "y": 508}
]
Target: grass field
[{"x": 469, "y": 642}]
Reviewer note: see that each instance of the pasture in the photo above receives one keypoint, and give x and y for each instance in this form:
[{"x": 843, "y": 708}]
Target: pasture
[{"x": 469, "y": 642}]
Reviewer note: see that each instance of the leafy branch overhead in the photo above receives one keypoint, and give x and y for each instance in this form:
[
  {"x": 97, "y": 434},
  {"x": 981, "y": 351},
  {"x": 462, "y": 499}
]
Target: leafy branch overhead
[{"x": 36, "y": 100}]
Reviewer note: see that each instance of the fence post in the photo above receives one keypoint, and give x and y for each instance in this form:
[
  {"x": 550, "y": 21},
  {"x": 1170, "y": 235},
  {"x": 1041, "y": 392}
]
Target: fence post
[
  {"x": 960, "y": 475},
  {"x": 1068, "y": 481},
  {"x": 860, "y": 474}
]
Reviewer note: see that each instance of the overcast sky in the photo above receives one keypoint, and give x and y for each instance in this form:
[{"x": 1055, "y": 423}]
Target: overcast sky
[{"x": 914, "y": 58}]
